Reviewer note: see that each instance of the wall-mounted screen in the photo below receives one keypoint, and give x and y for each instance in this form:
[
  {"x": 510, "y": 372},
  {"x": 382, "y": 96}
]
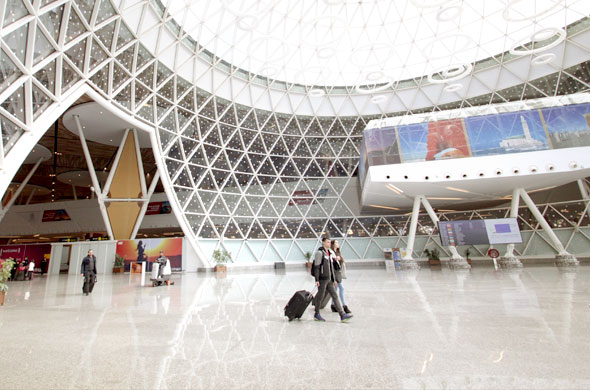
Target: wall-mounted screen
[{"x": 479, "y": 232}]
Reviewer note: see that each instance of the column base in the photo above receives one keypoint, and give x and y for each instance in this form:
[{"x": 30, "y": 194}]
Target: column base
[
  {"x": 509, "y": 262},
  {"x": 566, "y": 260},
  {"x": 458, "y": 263},
  {"x": 408, "y": 264}
]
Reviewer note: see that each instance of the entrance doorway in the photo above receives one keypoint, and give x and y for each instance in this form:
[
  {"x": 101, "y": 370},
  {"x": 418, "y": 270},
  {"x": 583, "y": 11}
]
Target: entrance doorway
[{"x": 64, "y": 262}]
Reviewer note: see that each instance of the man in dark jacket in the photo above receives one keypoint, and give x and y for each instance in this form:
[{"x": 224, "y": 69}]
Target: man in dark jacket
[
  {"x": 88, "y": 271},
  {"x": 323, "y": 272}
]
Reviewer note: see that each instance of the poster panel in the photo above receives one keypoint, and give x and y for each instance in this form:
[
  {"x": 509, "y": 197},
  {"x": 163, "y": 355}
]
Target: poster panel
[
  {"x": 446, "y": 139},
  {"x": 381, "y": 146},
  {"x": 55, "y": 215},
  {"x": 412, "y": 141},
  {"x": 511, "y": 132},
  {"x": 568, "y": 126},
  {"x": 149, "y": 249},
  {"x": 155, "y": 208}
]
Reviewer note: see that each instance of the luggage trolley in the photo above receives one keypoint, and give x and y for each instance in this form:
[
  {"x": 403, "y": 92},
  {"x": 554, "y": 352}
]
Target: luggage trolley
[{"x": 161, "y": 273}]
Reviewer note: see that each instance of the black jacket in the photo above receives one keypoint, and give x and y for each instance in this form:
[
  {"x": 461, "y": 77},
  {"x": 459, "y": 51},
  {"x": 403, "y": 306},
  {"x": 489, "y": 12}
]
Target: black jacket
[
  {"x": 323, "y": 268},
  {"x": 85, "y": 267}
]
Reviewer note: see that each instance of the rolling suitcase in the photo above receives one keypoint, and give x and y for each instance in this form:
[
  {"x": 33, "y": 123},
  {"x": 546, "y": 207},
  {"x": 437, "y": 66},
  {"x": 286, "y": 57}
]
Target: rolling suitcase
[{"x": 297, "y": 304}]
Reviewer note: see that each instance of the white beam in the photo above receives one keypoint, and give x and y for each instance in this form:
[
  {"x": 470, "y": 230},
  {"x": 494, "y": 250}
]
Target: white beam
[
  {"x": 139, "y": 164},
  {"x": 107, "y": 185},
  {"x": 453, "y": 249},
  {"x": 92, "y": 172},
  {"x": 543, "y": 222},
  {"x": 31, "y": 196},
  {"x": 514, "y": 203},
  {"x": 413, "y": 225},
  {"x": 145, "y": 205},
  {"x": 20, "y": 189}
]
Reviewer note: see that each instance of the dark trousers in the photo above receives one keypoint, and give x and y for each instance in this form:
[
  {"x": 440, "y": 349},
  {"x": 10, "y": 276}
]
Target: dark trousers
[
  {"x": 327, "y": 286},
  {"x": 89, "y": 279}
]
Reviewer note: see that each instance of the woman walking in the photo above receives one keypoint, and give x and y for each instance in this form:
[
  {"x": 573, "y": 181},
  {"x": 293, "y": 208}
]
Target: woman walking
[{"x": 340, "y": 273}]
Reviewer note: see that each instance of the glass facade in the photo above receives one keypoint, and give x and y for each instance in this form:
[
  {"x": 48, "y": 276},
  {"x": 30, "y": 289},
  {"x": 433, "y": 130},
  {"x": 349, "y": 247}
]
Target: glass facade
[{"x": 264, "y": 184}]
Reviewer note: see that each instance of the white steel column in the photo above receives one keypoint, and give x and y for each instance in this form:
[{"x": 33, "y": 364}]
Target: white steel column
[
  {"x": 95, "y": 183},
  {"x": 583, "y": 189},
  {"x": 456, "y": 261},
  {"x": 145, "y": 204},
  {"x": 139, "y": 163},
  {"x": 31, "y": 196},
  {"x": 20, "y": 188},
  {"x": 408, "y": 260},
  {"x": 107, "y": 185},
  {"x": 563, "y": 257},
  {"x": 509, "y": 260}
]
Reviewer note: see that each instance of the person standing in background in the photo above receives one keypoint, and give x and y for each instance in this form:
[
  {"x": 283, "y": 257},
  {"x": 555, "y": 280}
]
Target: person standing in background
[
  {"x": 88, "y": 271},
  {"x": 31, "y": 269}
]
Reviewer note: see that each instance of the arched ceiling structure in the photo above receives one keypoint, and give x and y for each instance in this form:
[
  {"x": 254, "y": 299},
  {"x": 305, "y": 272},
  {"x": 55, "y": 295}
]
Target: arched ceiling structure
[
  {"x": 342, "y": 57},
  {"x": 261, "y": 166}
]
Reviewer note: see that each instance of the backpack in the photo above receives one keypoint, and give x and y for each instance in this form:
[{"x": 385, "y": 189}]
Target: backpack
[
  {"x": 312, "y": 267},
  {"x": 313, "y": 262}
]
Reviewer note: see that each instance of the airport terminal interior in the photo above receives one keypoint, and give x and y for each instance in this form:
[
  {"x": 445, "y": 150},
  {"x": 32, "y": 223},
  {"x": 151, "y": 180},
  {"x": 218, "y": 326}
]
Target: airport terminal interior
[{"x": 183, "y": 182}]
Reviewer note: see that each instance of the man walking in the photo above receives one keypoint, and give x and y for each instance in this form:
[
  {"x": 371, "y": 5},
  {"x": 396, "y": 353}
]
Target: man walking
[
  {"x": 323, "y": 272},
  {"x": 88, "y": 271}
]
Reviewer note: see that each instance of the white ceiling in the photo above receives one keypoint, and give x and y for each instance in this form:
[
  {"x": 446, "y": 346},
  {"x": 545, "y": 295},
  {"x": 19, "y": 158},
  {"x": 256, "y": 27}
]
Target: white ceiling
[{"x": 368, "y": 42}]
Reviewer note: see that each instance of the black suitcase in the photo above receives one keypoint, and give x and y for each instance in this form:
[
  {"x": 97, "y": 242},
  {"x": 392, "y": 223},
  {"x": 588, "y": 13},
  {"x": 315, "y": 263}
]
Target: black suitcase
[{"x": 297, "y": 304}]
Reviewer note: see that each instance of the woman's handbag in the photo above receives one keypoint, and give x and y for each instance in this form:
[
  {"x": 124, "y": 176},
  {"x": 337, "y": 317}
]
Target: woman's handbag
[{"x": 343, "y": 270}]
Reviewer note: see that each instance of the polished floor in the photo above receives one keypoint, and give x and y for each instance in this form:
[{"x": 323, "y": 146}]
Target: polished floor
[{"x": 428, "y": 329}]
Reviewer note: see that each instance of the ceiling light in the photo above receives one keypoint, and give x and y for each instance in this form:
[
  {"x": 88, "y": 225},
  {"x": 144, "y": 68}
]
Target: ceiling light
[
  {"x": 326, "y": 52},
  {"x": 247, "y": 22},
  {"x": 394, "y": 189},
  {"x": 453, "y": 87},
  {"x": 543, "y": 59},
  {"x": 378, "y": 99},
  {"x": 384, "y": 207},
  {"x": 520, "y": 49},
  {"x": 449, "y": 13},
  {"x": 316, "y": 92},
  {"x": 541, "y": 189},
  {"x": 458, "y": 189}
]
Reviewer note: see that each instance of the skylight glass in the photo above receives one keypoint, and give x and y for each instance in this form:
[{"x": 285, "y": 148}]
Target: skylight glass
[{"x": 370, "y": 42}]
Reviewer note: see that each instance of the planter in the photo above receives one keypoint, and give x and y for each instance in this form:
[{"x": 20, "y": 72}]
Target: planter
[
  {"x": 433, "y": 262},
  {"x": 2, "y": 297},
  {"x": 468, "y": 260},
  {"x": 118, "y": 270},
  {"x": 309, "y": 264},
  {"x": 220, "y": 268}
]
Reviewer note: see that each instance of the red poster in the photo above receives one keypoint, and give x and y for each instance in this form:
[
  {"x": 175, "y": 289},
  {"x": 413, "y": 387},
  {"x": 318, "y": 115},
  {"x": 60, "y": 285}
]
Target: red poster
[
  {"x": 158, "y": 208},
  {"x": 55, "y": 215},
  {"x": 446, "y": 139}
]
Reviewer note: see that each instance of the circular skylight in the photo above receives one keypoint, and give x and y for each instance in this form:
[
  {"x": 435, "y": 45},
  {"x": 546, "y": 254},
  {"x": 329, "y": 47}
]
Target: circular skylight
[{"x": 371, "y": 42}]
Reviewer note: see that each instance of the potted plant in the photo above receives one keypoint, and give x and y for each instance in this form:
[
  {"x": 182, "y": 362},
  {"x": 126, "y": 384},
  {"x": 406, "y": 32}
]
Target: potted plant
[
  {"x": 221, "y": 256},
  {"x": 5, "y": 268},
  {"x": 467, "y": 253},
  {"x": 309, "y": 263},
  {"x": 433, "y": 256},
  {"x": 119, "y": 265}
]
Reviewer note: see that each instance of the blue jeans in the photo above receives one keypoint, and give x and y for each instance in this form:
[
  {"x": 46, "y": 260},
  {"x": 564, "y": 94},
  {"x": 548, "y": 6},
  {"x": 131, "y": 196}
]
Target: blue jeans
[{"x": 341, "y": 293}]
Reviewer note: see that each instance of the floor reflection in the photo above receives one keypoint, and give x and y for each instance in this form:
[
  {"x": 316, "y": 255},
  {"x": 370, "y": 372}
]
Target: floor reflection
[{"x": 429, "y": 328}]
